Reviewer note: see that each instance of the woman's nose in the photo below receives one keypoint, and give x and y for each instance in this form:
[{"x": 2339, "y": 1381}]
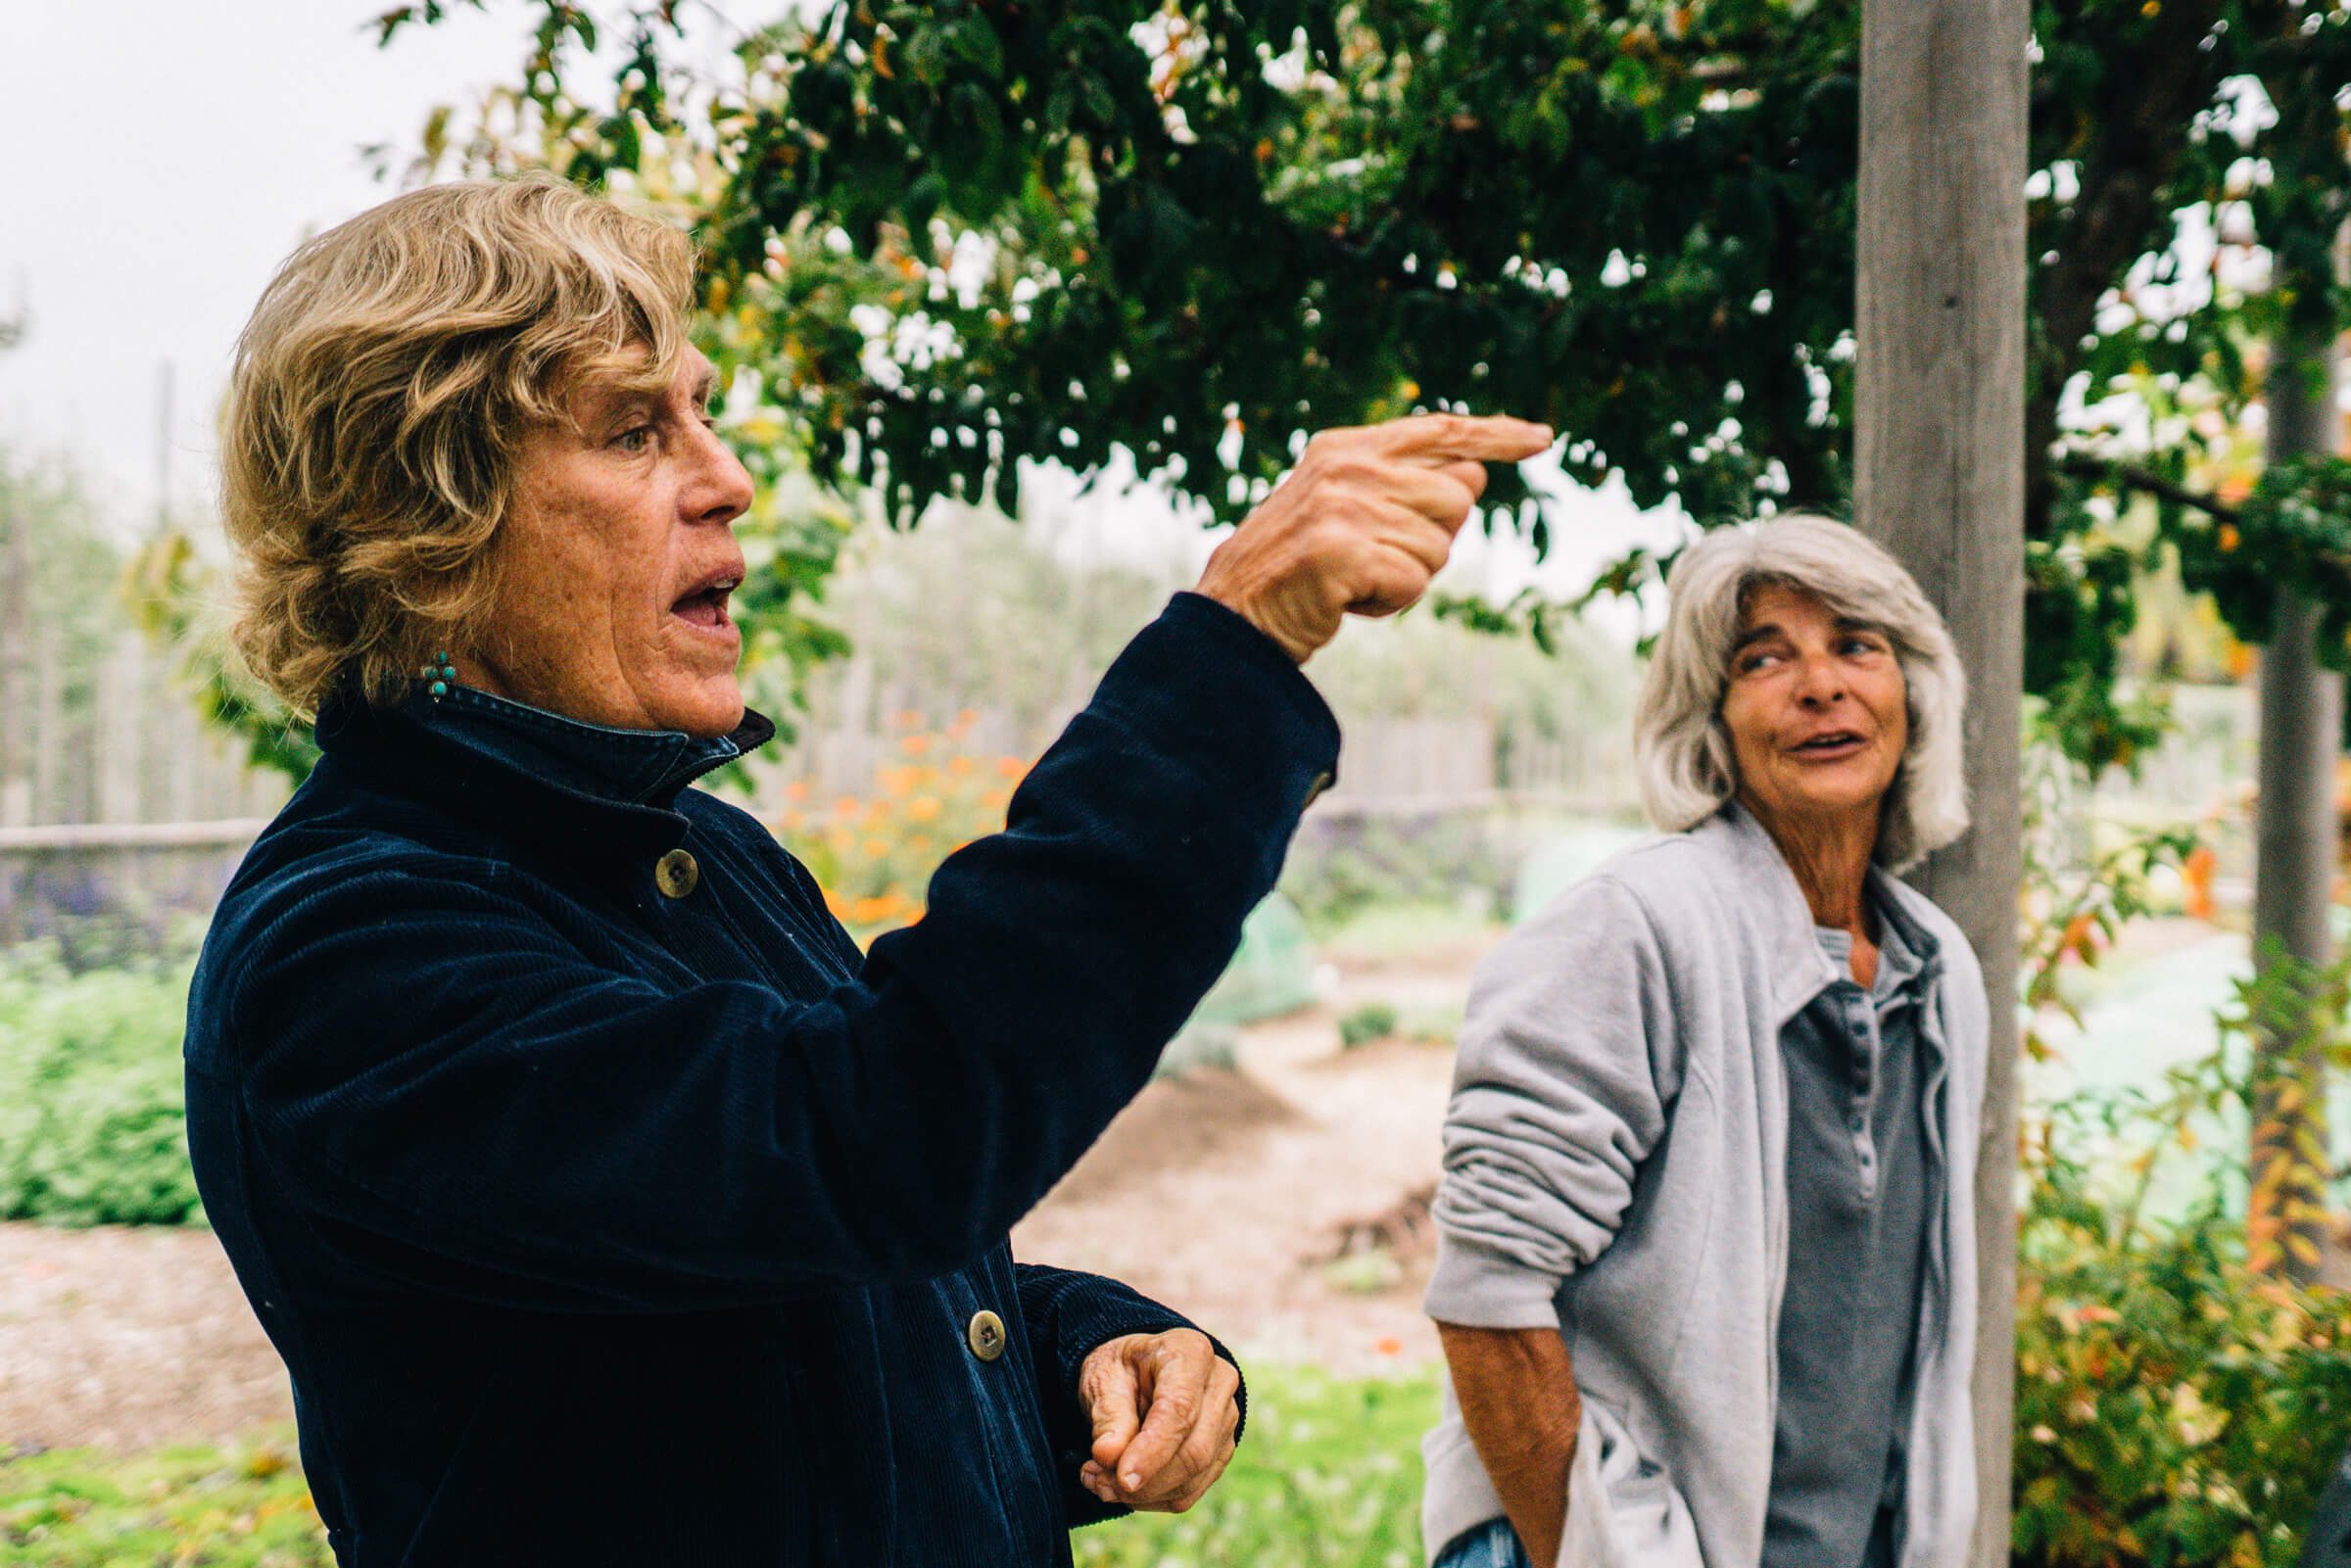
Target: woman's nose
[
  {"x": 726, "y": 488},
  {"x": 1819, "y": 682}
]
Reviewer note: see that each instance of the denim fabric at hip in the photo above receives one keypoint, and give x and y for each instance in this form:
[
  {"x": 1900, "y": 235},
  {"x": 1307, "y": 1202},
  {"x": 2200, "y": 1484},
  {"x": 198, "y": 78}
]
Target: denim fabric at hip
[{"x": 1492, "y": 1544}]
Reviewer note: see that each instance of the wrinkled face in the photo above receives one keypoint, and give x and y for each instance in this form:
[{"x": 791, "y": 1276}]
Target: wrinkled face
[
  {"x": 617, "y": 554},
  {"x": 1816, "y": 707}
]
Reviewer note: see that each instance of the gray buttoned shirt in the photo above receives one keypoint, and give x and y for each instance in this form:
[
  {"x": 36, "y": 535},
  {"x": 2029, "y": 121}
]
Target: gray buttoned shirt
[{"x": 1861, "y": 1186}]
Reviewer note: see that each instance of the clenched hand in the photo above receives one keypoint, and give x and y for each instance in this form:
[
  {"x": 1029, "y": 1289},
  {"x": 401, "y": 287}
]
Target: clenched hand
[{"x": 1165, "y": 1414}]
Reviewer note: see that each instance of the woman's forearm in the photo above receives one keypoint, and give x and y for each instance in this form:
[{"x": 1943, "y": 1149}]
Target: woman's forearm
[{"x": 1516, "y": 1389}]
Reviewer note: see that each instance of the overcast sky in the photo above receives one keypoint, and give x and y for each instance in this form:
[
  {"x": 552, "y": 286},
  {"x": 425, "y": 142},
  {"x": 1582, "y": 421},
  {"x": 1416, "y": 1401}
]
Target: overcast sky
[{"x": 169, "y": 153}]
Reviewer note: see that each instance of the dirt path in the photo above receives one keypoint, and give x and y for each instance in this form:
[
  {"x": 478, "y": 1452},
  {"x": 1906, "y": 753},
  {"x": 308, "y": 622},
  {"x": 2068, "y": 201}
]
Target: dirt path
[
  {"x": 1223, "y": 1194},
  {"x": 125, "y": 1338}
]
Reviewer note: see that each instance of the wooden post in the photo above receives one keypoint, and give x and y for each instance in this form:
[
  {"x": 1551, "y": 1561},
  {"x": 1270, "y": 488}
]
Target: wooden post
[
  {"x": 2295, "y": 830},
  {"x": 1939, "y": 466}
]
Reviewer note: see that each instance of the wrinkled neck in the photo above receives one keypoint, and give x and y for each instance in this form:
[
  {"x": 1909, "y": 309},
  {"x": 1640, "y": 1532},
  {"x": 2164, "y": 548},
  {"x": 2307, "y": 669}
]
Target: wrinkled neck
[{"x": 1829, "y": 854}]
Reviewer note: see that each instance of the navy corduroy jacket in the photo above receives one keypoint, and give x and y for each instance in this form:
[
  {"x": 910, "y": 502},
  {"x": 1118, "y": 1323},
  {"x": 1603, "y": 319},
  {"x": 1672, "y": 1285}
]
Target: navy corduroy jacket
[{"x": 608, "y": 1206}]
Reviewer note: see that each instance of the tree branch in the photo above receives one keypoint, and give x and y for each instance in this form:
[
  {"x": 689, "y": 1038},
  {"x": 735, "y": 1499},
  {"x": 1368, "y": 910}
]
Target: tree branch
[{"x": 2152, "y": 484}]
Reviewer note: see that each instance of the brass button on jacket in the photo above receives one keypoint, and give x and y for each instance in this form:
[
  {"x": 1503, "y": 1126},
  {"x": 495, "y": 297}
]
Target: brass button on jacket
[
  {"x": 675, "y": 874},
  {"x": 986, "y": 1335}
]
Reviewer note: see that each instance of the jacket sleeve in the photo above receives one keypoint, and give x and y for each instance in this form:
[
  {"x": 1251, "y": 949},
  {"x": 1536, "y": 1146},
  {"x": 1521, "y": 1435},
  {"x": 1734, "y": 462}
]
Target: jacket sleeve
[
  {"x": 431, "y": 1063},
  {"x": 1563, "y": 1084},
  {"x": 1066, "y": 1317}
]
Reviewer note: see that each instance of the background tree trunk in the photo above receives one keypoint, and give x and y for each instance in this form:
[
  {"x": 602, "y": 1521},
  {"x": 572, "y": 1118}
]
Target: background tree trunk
[
  {"x": 2296, "y": 838},
  {"x": 1939, "y": 476}
]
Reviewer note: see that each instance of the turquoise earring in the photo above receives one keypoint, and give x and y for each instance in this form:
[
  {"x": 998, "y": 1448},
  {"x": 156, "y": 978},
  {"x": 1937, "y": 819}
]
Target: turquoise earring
[{"x": 442, "y": 673}]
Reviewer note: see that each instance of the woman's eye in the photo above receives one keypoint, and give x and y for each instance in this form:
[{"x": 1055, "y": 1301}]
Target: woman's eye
[{"x": 635, "y": 439}]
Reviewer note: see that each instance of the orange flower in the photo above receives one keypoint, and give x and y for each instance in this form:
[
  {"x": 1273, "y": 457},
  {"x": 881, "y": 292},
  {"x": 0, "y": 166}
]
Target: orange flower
[
  {"x": 2081, "y": 937},
  {"x": 914, "y": 745},
  {"x": 960, "y": 766},
  {"x": 847, "y": 806},
  {"x": 796, "y": 790},
  {"x": 923, "y": 808},
  {"x": 908, "y": 719},
  {"x": 2197, "y": 871},
  {"x": 1010, "y": 767},
  {"x": 877, "y": 847},
  {"x": 794, "y": 821}
]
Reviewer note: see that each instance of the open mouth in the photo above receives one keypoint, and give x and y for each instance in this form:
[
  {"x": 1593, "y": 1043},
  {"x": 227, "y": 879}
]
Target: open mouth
[
  {"x": 1833, "y": 743},
  {"x": 706, "y": 607}
]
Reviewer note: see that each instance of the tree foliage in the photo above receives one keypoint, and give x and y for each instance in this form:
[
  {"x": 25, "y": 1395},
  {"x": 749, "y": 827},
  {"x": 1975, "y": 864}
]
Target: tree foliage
[{"x": 952, "y": 237}]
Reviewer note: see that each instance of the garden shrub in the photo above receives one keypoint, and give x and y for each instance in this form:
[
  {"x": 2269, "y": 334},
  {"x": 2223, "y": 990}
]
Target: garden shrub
[
  {"x": 1374, "y": 1021},
  {"x": 2179, "y": 1398},
  {"x": 873, "y": 854},
  {"x": 93, "y": 1125},
  {"x": 2173, "y": 1408},
  {"x": 1339, "y": 866}
]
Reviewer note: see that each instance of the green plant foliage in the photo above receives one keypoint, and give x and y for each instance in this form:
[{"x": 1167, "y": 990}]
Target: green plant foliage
[
  {"x": 1374, "y": 1021},
  {"x": 1329, "y": 1476},
  {"x": 2172, "y": 1406},
  {"x": 1341, "y": 869},
  {"x": 2295, "y": 528},
  {"x": 2178, "y": 1399},
  {"x": 1195, "y": 230},
  {"x": 191, "y": 1507},
  {"x": 92, "y": 1112}
]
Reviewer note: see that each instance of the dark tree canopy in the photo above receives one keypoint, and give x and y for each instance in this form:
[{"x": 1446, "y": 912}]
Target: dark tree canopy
[{"x": 951, "y": 236}]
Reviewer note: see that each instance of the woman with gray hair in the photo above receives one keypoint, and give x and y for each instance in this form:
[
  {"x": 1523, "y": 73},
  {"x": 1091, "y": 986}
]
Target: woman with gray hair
[{"x": 1705, "y": 1277}]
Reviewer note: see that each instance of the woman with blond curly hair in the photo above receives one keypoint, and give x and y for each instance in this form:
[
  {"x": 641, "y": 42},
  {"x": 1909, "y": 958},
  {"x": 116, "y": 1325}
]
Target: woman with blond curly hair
[
  {"x": 1705, "y": 1273},
  {"x": 605, "y": 1203}
]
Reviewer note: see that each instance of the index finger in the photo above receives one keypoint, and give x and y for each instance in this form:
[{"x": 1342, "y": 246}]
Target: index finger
[
  {"x": 1451, "y": 436},
  {"x": 1178, "y": 1386}
]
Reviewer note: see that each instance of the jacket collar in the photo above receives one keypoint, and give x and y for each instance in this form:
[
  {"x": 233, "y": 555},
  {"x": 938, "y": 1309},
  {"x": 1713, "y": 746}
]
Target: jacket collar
[
  {"x": 523, "y": 770},
  {"x": 1757, "y": 876}
]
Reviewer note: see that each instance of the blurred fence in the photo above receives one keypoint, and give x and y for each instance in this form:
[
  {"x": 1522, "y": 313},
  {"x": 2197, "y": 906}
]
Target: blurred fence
[
  {"x": 117, "y": 798},
  {"x": 2207, "y": 763},
  {"x": 1386, "y": 766}
]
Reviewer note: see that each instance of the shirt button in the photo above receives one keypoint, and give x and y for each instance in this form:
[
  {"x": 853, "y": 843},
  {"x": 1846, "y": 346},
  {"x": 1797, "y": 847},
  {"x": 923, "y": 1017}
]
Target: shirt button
[
  {"x": 986, "y": 1335},
  {"x": 676, "y": 873}
]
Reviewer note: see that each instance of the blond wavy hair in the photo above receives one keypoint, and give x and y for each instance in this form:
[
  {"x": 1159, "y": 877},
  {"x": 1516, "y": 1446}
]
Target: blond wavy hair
[
  {"x": 1681, "y": 747},
  {"x": 379, "y": 398}
]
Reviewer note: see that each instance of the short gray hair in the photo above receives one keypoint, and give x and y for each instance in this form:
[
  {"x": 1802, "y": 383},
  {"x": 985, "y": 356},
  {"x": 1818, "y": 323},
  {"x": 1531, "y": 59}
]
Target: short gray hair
[{"x": 1680, "y": 746}]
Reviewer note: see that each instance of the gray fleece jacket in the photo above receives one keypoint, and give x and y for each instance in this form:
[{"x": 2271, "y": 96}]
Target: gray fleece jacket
[{"x": 1615, "y": 1165}]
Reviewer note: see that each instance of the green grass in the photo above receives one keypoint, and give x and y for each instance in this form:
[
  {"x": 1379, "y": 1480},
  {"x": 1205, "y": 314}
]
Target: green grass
[
  {"x": 192, "y": 1508},
  {"x": 1329, "y": 1473}
]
